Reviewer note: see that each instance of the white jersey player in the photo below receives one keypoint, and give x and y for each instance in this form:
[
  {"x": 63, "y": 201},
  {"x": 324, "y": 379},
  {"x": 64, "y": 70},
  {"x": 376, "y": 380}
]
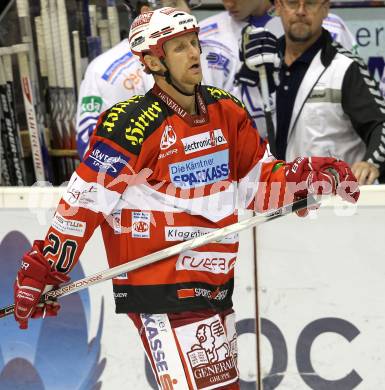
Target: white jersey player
[{"x": 220, "y": 35}]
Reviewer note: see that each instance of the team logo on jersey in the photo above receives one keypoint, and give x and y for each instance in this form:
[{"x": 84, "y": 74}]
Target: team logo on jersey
[
  {"x": 218, "y": 61},
  {"x": 168, "y": 138},
  {"x": 203, "y": 141},
  {"x": 104, "y": 158},
  {"x": 200, "y": 171},
  {"x": 141, "y": 224},
  {"x": 91, "y": 104}
]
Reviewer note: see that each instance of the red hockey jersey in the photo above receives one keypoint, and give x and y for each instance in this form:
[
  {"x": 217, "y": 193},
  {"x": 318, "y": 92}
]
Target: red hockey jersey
[{"x": 155, "y": 176}]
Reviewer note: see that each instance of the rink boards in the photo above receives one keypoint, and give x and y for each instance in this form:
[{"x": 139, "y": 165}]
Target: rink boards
[{"x": 321, "y": 298}]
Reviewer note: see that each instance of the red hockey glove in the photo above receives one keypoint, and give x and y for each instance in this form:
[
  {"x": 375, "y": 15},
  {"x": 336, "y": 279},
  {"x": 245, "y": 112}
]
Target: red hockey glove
[
  {"x": 32, "y": 278},
  {"x": 321, "y": 176}
]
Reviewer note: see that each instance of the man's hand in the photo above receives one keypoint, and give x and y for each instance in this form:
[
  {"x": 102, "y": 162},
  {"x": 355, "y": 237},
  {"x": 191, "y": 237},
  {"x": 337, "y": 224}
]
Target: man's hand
[
  {"x": 321, "y": 175},
  {"x": 258, "y": 47},
  {"x": 365, "y": 172},
  {"x": 32, "y": 278}
]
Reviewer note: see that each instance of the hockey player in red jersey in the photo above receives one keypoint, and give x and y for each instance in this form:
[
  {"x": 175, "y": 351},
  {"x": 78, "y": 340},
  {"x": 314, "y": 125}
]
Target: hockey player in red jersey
[{"x": 162, "y": 168}]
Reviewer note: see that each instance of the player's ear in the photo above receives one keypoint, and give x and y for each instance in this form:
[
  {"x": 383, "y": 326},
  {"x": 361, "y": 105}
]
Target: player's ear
[{"x": 153, "y": 63}]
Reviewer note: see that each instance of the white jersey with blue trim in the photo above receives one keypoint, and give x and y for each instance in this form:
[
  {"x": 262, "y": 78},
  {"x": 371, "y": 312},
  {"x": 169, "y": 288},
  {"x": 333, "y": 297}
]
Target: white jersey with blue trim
[
  {"x": 220, "y": 36},
  {"x": 112, "y": 77}
]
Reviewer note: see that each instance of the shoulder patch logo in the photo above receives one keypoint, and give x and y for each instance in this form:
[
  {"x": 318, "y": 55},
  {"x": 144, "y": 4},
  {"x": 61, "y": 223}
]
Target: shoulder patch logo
[
  {"x": 91, "y": 104},
  {"x": 168, "y": 138},
  {"x": 104, "y": 158},
  {"x": 208, "y": 29}
]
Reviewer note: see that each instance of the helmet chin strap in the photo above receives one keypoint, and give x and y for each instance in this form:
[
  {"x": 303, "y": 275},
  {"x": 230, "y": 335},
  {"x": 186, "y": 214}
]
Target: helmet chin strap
[{"x": 167, "y": 76}]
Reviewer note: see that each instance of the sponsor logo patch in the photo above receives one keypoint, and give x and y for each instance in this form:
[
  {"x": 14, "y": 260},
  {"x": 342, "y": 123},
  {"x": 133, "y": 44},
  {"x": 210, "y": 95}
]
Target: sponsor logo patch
[
  {"x": 134, "y": 133},
  {"x": 203, "y": 141},
  {"x": 210, "y": 354},
  {"x": 201, "y": 170},
  {"x": 168, "y": 153},
  {"x": 162, "y": 346},
  {"x": 104, "y": 158},
  {"x": 78, "y": 195},
  {"x": 218, "y": 93},
  {"x": 120, "y": 295},
  {"x": 123, "y": 60},
  {"x": 212, "y": 262},
  {"x": 91, "y": 104},
  {"x": 218, "y": 294},
  {"x": 117, "y": 221},
  {"x": 210, "y": 28},
  {"x": 184, "y": 233},
  {"x": 141, "y": 222},
  {"x": 141, "y": 20},
  {"x": 68, "y": 226},
  {"x": 116, "y": 111},
  {"x": 168, "y": 138}
]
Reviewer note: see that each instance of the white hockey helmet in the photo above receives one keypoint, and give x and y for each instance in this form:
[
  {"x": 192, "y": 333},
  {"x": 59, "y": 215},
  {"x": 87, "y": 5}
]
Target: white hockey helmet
[
  {"x": 168, "y": 23},
  {"x": 150, "y": 30},
  {"x": 138, "y": 36}
]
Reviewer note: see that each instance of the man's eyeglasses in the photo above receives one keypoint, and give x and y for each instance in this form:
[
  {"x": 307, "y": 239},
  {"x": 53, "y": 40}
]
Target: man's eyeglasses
[{"x": 310, "y": 5}]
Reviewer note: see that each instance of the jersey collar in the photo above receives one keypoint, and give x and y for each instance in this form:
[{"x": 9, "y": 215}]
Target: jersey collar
[{"x": 193, "y": 120}]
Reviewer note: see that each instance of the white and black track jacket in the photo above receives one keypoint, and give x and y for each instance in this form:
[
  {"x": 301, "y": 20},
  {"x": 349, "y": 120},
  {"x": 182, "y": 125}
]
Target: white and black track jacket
[{"x": 339, "y": 110}]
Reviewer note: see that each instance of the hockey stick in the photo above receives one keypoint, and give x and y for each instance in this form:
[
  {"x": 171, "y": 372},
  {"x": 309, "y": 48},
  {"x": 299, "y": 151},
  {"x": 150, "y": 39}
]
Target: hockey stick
[
  {"x": 258, "y": 326},
  {"x": 14, "y": 143},
  {"x": 171, "y": 251},
  {"x": 94, "y": 46},
  {"x": 69, "y": 83},
  {"x": 6, "y": 162},
  {"x": 271, "y": 138},
  {"x": 113, "y": 22},
  {"x": 43, "y": 67},
  {"x": 22, "y": 51},
  {"x": 27, "y": 38},
  {"x": 267, "y": 109},
  {"x": 4, "y": 145},
  {"x": 77, "y": 58},
  {"x": 104, "y": 34},
  {"x": 62, "y": 116},
  {"x": 55, "y": 98}
]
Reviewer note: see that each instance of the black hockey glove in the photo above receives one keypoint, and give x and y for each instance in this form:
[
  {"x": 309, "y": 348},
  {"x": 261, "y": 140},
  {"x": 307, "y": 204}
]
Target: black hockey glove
[{"x": 258, "y": 47}]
